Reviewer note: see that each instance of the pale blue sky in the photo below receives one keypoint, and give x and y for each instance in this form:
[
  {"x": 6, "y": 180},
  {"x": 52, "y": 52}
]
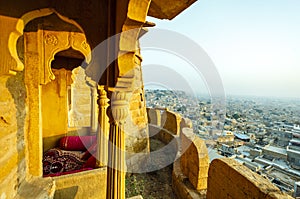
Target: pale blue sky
[{"x": 255, "y": 44}]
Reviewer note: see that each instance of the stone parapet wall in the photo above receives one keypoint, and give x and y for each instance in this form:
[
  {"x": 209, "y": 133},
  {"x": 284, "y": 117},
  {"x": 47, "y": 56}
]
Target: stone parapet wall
[
  {"x": 190, "y": 171},
  {"x": 170, "y": 121},
  {"x": 194, "y": 161},
  {"x": 182, "y": 186},
  {"x": 229, "y": 179},
  {"x": 163, "y": 124},
  {"x": 154, "y": 116}
]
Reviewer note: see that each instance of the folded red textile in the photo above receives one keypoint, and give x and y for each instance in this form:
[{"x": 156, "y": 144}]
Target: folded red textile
[
  {"x": 77, "y": 143},
  {"x": 91, "y": 151},
  {"x": 90, "y": 163}
]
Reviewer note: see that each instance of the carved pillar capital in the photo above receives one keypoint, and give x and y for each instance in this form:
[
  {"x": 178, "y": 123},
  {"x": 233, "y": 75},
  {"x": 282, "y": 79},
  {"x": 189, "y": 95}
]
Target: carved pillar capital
[
  {"x": 120, "y": 106},
  {"x": 103, "y": 100}
]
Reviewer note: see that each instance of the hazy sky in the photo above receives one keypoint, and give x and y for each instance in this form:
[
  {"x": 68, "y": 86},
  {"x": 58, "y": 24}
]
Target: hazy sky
[{"x": 255, "y": 44}]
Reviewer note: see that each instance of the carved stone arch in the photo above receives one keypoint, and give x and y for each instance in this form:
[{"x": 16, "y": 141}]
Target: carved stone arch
[
  {"x": 17, "y": 32},
  {"x": 54, "y": 42}
]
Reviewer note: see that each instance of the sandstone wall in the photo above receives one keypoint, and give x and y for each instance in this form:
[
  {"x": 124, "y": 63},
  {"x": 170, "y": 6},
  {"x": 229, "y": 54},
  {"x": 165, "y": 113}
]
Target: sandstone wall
[
  {"x": 170, "y": 121},
  {"x": 194, "y": 161},
  {"x": 54, "y": 105},
  {"x": 136, "y": 125},
  {"x": 88, "y": 185},
  {"x": 163, "y": 124},
  {"x": 229, "y": 179},
  {"x": 12, "y": 127}
]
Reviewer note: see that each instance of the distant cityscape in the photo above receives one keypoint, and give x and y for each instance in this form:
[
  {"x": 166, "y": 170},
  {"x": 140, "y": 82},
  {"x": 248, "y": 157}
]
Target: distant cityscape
[{"x": 261, "y": 133}]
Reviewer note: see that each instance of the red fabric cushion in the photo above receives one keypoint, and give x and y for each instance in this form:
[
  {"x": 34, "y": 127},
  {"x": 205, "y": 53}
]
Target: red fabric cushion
[{"x": 77, "y": 143}]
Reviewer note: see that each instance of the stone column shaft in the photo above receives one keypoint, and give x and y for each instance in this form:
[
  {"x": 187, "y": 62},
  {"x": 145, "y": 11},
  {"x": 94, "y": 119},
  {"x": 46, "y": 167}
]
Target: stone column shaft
[
  {"x": 116, "y": 153},
  {"x": 103, "y": 131},
  {"x": 94, "y": 122}
]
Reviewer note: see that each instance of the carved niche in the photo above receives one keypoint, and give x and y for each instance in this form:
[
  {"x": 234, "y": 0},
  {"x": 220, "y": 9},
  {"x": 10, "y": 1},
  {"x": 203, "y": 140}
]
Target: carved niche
[{"x": 52, "y": 42}]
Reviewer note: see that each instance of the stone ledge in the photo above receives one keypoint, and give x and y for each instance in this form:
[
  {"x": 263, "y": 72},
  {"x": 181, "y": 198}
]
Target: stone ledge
[
  {"x": 86, "y": 184},
  {"x": 37, "y": 188}
]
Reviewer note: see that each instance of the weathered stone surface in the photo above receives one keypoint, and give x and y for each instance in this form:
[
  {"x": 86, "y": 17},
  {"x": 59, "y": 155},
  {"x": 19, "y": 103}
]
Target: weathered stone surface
[
  {"x": 164, "y": 9},
  {"x": 194, "y": 161},
  {"x": 154, "y": 116},
  {"x": 37, "y": 188},
  {"x": 229, "y": 179},
  {"x": 181, "y": 185},
  {"x": 171, "y": 122},
  {"x": 87, "y": 184},
  {"x": 54, "y": 105},
  {"x": 12, "y": 125},
  {"x": 185, "y": 123},
  {"x": 136, "y": 126}
]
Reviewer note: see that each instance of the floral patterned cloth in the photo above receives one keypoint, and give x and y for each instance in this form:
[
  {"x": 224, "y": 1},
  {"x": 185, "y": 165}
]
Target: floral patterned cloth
[
  {"x": 59, "y": 161},
  {"x": 75, "y": 154}
]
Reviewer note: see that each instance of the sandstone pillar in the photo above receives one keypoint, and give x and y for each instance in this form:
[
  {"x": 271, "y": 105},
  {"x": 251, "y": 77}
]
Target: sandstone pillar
[
  {"x": 94, "y": 122},
  {"x": 103, "y": 131},
  {"x": 33, "y": 136},
  {"x": 116, "y": 153}
]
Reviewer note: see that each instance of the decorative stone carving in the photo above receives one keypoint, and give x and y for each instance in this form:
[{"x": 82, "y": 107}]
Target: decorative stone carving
[
  {"x": 120, "y": 106},
  {"x": 51, "y": 39},
  {"x": 12, "y": 30},
  {"x": 55, "y": 42},
  {"x": 94, "y": 106},
  {"x": 81, "y": 112},
  {"x": 84, "y": 45}
]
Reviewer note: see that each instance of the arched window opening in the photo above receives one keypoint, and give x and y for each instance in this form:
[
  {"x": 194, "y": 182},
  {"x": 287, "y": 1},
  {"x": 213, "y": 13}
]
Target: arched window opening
[{"x": 69, "y": 116}]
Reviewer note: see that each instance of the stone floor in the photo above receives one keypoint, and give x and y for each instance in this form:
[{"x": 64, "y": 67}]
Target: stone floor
[{"x": 153, "y": 185}]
